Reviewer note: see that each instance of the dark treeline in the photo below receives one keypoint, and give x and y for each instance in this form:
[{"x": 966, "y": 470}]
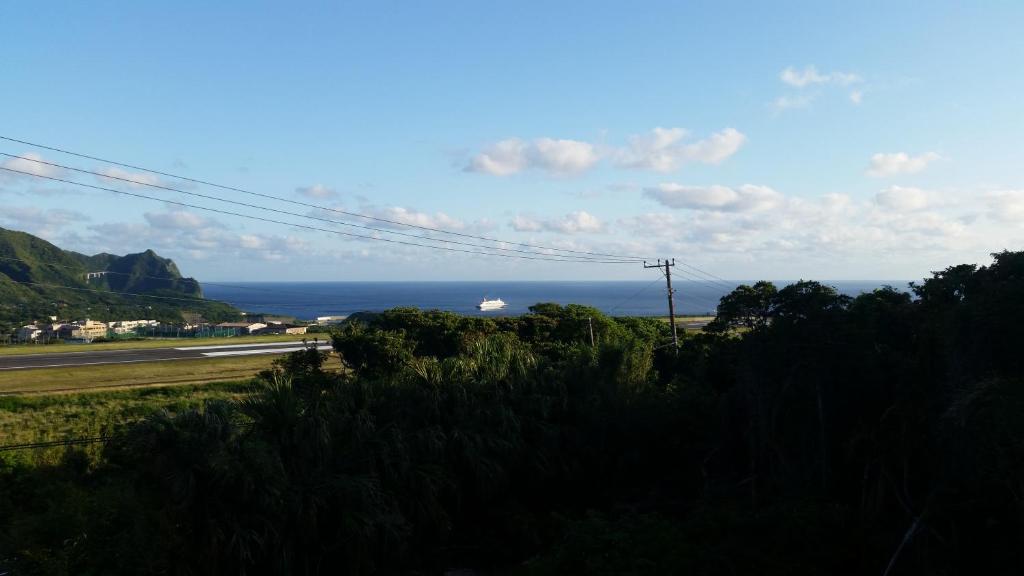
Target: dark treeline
[{"x": 804, "y": 432}]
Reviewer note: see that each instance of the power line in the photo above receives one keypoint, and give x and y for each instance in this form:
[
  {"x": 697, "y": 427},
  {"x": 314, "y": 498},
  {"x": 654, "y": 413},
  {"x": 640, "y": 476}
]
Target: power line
[
  {"x": 193, "y": 280},
  {"x": 285, "y": 212},
  {"x": 309, "y": 205},
  {"x": 692, "y": 277},
  {"x": 712, "y": 278},
  {"x": 63, "y": 287},
  {"x": 713, "y": 305},
  {"x": 183, "y": 299},
  {"x": 272, "y": 290},
  {"x": 632, "y": 296},
  {"x": 719, "y": 280},
  {"x": 275, "y": 304},
  {"x": 287, "y": 305},
  {"x": 305, "y": 226}
]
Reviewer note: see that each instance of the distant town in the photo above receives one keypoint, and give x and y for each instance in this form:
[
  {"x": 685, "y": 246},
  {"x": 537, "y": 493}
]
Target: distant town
[{"x": 85, "y": 331}]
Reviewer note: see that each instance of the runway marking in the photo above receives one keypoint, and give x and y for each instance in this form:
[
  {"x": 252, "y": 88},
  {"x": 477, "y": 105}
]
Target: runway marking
[
  {"x": 323, "y": 346},
  {"x": 263, "y": 351},
  {"x": 229, "y": 346}
]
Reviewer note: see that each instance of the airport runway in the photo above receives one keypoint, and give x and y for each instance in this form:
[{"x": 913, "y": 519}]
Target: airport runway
[{"x": 98, "y": 357}]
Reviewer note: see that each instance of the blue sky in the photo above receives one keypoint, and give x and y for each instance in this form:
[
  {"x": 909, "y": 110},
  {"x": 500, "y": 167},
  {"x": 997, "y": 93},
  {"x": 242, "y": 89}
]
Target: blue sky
[{"x": 839, "y": 140}]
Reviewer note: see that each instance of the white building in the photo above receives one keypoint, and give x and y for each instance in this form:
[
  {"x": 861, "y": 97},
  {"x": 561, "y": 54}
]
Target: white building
[
  {"x": 85, "y": 331},
  {"x": 29, "y": 333},
  {"x": 242, "y": 327},
  {"x": 126, "y": 326},
  {"x": 327, "y": 320}
]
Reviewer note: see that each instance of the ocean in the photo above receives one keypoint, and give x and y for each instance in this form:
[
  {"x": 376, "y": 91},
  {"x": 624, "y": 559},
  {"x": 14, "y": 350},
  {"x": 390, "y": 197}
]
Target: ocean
[{"x": 307, "y": 300}]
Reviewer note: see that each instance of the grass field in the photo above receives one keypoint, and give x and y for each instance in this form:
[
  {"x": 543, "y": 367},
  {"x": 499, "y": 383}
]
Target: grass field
[
  {"x": 15, "y": 349},
  {"x": 688, "y": 319},
  {"x": 42, "y": 418},
  {"x": 682, "y": 321},
  {"x": 177, "y": 372}
]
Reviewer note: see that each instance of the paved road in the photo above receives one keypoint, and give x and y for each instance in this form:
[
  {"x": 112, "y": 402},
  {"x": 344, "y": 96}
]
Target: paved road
[{"x": 97, "y": 357}]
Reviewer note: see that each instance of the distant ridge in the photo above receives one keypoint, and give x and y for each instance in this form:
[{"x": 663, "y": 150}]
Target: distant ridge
[{"x": 38, "y": 279}]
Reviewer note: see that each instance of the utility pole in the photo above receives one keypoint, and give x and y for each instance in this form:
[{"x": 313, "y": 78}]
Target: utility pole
[
  {"x": 671, "y": 302},
  {"x": 590, "y": 324}
]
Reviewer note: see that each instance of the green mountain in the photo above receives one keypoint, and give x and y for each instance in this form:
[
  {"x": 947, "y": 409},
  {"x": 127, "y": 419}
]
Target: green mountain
[
  {"x": 145, "y": 273},
  {"x": 38, "y": 280}
]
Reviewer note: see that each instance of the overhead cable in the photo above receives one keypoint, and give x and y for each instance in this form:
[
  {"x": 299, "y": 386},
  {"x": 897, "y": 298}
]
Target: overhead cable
[{"x": 305, "y": 226}]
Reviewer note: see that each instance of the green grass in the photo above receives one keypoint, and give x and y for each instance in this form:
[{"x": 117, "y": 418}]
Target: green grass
[
  {"x": 174, "y": 372},
  {"x": 682, "y": 319},
  {"x": 681, "y": 322},
  {"x": 41, "y": 418},
  {"x": 16, "y": 349}
]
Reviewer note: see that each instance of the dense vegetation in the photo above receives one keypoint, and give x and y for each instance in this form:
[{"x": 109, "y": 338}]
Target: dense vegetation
[
  {"x": 38, "y": 280},
  {"x": 50, "y": 417},
  {"x": 805, "y": 432}
]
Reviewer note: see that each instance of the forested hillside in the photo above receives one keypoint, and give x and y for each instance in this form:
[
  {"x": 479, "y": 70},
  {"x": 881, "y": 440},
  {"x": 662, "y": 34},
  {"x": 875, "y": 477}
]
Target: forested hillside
[
  {"x": 805, "y": 433},
  {"x": 38, "y": 279}
]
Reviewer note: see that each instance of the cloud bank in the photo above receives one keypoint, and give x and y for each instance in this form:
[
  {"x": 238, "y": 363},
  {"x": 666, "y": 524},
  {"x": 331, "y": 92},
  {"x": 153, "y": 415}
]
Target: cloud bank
[
  {"x": 883, "y": 165},
  {"x": 660, "y": 150}
]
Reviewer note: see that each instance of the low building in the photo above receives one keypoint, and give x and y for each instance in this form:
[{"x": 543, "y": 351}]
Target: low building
[
  {"x": 29, "y": 333},
  {"x": 241, "y": 327},
  {"x": 270, "y": 319},
  {"x": 281, "y": 329},
  {"x": 83, "y": 331},
  {"x": 328, "y": 320},
  {"x": 51, "y": 331},
  {"x": 128, "y": 326}
]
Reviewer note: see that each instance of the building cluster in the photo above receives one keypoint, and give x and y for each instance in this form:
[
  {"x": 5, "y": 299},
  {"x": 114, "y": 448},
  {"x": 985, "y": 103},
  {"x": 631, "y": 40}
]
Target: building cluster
[
  {"x": 260, "y": 328},
  {"x": 88, "y": 330},
  {"x": 78, "y": 331}
]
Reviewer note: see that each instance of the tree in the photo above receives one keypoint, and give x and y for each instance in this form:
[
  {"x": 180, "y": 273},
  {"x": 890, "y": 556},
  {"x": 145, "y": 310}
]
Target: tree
[
  {"x": 746, "y": 306},
  {"x": 372, "y": 352}
]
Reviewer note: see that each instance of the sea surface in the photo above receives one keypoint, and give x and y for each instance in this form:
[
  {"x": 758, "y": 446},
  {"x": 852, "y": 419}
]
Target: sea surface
[{"x": 307, "y": 300}]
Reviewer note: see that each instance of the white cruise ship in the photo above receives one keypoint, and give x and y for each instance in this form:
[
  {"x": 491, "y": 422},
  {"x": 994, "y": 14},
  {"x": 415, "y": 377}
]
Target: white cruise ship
[{"x": 486, "y": 304}]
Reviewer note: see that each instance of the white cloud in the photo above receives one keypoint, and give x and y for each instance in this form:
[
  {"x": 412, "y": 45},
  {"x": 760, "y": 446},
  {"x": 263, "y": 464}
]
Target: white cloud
[
  {"x": 745, "y": 198},
  {"x": 500, "y": 159},
  {"x": 563, "y": 156},
  {"x": 132, "y": 179},
  {"x": 182, "y": 234},
  {"x": 386, "y": 218},
  {"x": 552, "y": 156},
  {"x": 316, "y": 191},
  {"x": 768, "y": 226},
  {"x": 30, "y": 165},
  {"x": 47, "y": 223},
  {"x": 663, "y": 150},
  {"x": 176, "y": 220},
  {"x": 845, "y": 78},
  {"x": 792, "y": 102},
  {"x": 251, "y": 242},
  {"x": 902, "y": 199},
  {"x": 411, "y": 216},
  {"x": 526, "y": 224},
  {"x": 572, "y": 223},
  {"x": 899, "y": 163},
  {"x": 810, "y": 76},
  {"x": 1006, "y": 206}
]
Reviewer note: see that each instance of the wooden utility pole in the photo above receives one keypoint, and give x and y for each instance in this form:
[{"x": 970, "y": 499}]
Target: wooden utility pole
[{"x": 671, "y": 301}]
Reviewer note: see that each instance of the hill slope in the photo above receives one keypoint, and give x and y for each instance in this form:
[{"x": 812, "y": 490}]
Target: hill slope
[{"x": 38, "y": 279}]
